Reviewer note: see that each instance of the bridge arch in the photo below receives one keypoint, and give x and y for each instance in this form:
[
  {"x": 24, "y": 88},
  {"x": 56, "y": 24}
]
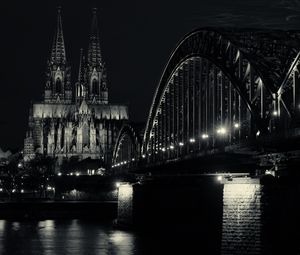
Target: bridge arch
[
  {"x": 208, "y": 69},
  {"x": 127, "y": 149}
]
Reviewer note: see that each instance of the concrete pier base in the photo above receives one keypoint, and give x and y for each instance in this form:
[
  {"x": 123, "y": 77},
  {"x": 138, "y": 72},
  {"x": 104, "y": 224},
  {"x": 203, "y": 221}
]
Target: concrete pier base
[{"x": 242, "y": 217}]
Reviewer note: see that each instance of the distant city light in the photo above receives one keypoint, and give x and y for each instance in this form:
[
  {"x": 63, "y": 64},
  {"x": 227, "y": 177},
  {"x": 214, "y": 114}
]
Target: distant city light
[
  {"x": 77, "y": 173},
  {"x": 221, "y": 131},
  {"x": 258, "y": 133},
  {"x": 22, "y": 191},
  {"x": 275, "y": 113},
  {"x": 181, "y": 144},
  {"x": 270, "y": 172},
  {"x": 204, "y": 136},
  {"x": 192, "y": 140},
  {"x": 133, "y": 159},
  {"x": 13, "y": 191},
  {"x": 59, "y": 174},
  {"x": 20, "y": 165},
  {"x": 171, "y": 147},
  {"x": 236, "y": 125},
  {"x": 163, "y": 149},
  {"x": 1, "y": 189},
  {"x": 143, "y": 156}
]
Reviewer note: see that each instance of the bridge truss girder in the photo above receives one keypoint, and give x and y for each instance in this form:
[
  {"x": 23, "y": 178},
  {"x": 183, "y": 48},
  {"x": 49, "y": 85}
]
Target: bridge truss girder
[{"x": 208, "y": 85}]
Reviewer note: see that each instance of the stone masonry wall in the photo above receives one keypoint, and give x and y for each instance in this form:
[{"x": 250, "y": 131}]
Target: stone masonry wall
[
  {"x": 242, "y": 217},
  {"x": 125, "y": 209}
]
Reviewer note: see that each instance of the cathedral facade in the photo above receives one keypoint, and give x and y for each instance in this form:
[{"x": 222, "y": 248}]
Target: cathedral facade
[{"x": 74, "y": 120}]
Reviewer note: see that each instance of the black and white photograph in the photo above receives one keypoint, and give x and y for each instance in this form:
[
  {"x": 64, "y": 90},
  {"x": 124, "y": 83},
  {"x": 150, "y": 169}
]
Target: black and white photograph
[{"x": 150, "y": 127}]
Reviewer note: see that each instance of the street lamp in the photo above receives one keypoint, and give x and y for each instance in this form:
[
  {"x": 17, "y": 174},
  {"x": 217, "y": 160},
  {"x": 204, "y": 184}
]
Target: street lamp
[
  {"x": 236, "y": 125},
  {"x": 204, "y": 136},
  {"x": 192, "y": 140},
  {"x": 221, "y": 131}
]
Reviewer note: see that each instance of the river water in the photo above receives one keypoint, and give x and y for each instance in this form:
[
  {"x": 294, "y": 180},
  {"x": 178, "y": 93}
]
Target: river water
[{"x": 57, "y": 237}]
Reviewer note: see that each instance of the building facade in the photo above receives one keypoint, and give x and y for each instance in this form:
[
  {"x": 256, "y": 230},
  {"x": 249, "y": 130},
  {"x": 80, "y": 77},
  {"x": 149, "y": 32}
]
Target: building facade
[{"x": 74, "y": 119}]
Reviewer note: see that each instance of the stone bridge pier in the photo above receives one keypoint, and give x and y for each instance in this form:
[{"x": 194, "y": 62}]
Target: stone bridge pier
[{"x": 225, "y": 216}]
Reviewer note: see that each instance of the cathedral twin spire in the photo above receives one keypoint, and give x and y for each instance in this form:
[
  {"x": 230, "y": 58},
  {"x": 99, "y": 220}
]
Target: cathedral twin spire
[
  {"x": 94, "y": 51},
  {"x": 91, "y": 83},
  {"x": 58, "y": 52}
]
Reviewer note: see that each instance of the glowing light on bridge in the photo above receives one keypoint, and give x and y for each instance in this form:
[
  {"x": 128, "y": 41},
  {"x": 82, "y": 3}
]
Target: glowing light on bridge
[
  {"x": 171, "y": 147},
  {"x": 118, "y": 184},
  {"x": 219, "y": 178},
  {"x": 163, "y": 149},
  {"x": 275, "y": 113},
  {"x": 192, "y": 140},
  {"x": 133, "y": 159},
  {"x": 236, "y": 125},
  {"x": 222, "y": 131},
  {"x": 143, "y": 156},
  {"x": 59, "y": 174},
  {"x": 181, "y": 144},
  {"x": 204, "y": 136}
]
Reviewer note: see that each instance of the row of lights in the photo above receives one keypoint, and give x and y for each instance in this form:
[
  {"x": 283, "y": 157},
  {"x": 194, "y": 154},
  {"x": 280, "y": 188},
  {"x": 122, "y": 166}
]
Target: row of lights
[
  {"x": 123, "y": 163},
  {"x": 76, "y": 174},
  {"x": 220, "y": 131}
]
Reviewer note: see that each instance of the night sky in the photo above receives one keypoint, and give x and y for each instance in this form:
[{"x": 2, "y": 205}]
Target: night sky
[{"x": 136, "y": 39}]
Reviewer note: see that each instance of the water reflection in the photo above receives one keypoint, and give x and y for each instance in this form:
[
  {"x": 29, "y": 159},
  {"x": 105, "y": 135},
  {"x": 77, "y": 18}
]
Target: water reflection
[
  {"x": 51, "y": 237},
  {"x": 77, "y": 237}
]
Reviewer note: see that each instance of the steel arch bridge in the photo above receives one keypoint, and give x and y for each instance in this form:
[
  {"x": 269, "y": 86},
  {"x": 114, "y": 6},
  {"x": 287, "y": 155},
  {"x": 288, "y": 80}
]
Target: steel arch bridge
[
  {"x": 127, "y": 149},
  {"x": 222, "y": 88}
]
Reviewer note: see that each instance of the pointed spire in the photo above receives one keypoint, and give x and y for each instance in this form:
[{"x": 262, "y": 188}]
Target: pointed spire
[
  {"x": 94, "y": 51},
  {"x": 58, "y": 52}
]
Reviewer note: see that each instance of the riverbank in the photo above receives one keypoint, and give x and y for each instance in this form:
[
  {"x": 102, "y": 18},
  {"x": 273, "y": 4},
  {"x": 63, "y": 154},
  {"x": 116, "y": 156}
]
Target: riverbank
[{"x": 106, "y": 210}]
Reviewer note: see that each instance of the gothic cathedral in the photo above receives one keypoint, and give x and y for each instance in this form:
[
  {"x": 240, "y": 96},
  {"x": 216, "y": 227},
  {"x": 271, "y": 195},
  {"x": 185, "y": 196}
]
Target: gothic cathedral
[{"x": 74, "y": 120}]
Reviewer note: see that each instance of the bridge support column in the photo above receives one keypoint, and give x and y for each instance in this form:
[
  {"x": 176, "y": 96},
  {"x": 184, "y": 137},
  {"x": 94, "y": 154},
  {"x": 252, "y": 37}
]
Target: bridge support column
[
  {"x": 125, "y": 204},
  {"x": 242, "y": 217}
]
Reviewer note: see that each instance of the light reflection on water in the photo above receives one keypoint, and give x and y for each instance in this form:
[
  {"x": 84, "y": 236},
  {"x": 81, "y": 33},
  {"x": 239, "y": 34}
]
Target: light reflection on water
[
  {"x": 79, "y": 237},
  {"x": 54, "y": 237}
]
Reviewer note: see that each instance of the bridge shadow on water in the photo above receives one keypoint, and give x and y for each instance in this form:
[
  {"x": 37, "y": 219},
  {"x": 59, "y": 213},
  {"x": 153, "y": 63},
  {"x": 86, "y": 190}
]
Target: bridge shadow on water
[{"x": 179, "y": 215}]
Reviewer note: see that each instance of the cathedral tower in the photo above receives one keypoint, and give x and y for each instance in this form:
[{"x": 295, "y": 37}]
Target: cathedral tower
[
  {"x": 96, "y": 71},
  {"x": 84, "y": 126},
  {"x": 81, "y": 85},
  {"x": 58, "y": 74}
]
